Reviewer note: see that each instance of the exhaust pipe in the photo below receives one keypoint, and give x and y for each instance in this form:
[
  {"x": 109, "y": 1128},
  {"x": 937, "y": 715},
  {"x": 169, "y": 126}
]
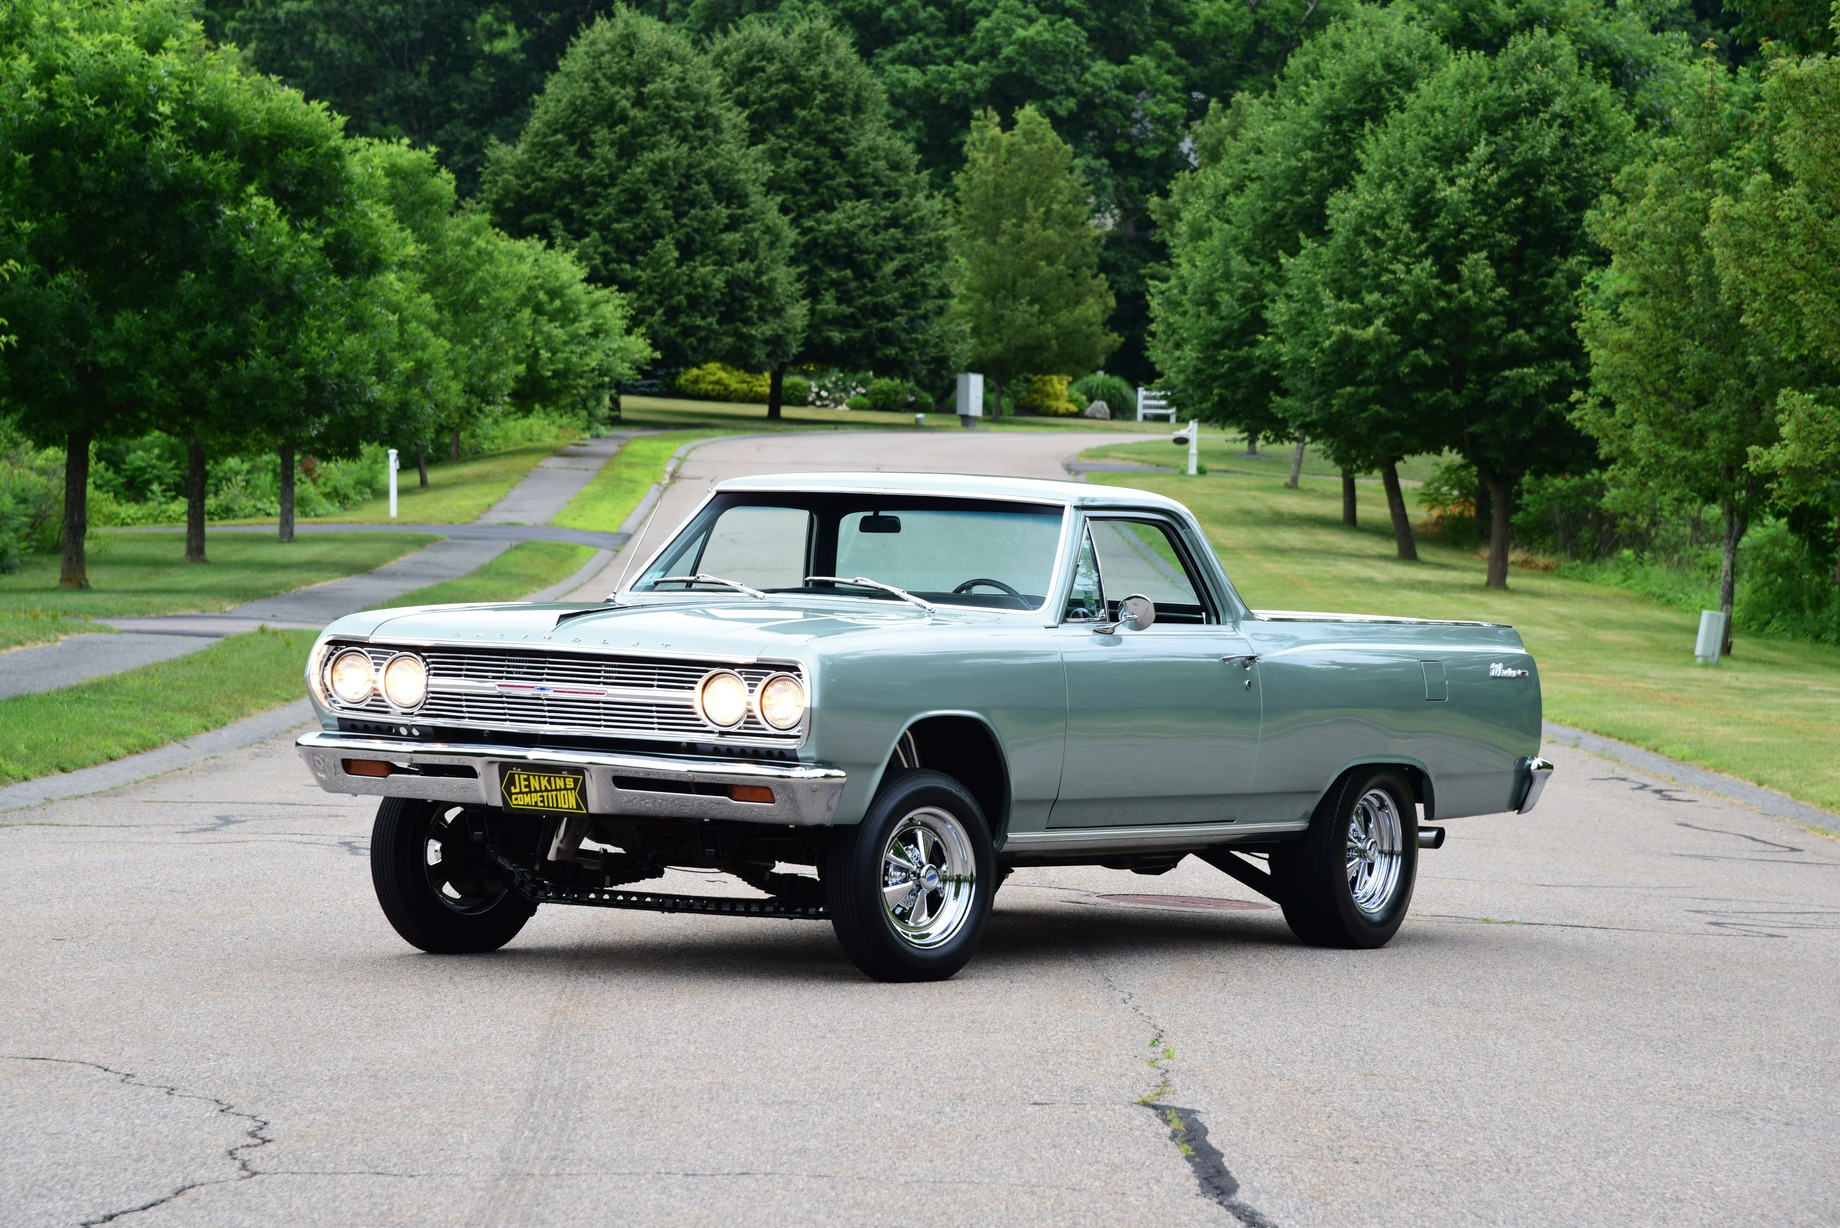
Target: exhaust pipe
[{"x": 1430, "y": 837}]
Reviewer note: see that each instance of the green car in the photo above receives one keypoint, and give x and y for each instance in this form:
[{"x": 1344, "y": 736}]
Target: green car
[{"x": 870, "y": 696}]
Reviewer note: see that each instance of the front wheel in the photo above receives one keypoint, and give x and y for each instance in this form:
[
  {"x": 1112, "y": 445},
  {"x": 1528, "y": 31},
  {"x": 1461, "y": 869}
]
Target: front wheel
[
  {"x": 437, "y": 885},
  {"x": 1348, "y": 880},
  {"x": 909, "y": 888}
]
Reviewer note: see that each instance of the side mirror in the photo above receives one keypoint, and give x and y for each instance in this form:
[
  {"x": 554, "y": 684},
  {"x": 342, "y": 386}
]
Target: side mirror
[{"x": 1136, "y": 613}]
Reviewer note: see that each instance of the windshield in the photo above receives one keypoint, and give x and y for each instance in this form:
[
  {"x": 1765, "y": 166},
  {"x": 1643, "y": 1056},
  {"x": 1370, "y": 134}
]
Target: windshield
[{"x": 966, "y": 552}]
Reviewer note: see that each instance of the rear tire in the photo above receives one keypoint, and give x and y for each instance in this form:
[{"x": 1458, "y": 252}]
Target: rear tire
[
  {"x": 438, "y": 887},
  {"x": 909, "y": 888},
  {"x": 1348, "y": 881}
]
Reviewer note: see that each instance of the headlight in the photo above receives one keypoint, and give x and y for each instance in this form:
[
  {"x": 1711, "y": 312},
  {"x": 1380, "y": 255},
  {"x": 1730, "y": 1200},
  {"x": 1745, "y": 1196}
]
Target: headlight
[
  {"x": 782, "y": 701},
  {"x": 349, "y": 676},
  {"x": 405, "y": 681},
  {"x": 722, "y": 699}
]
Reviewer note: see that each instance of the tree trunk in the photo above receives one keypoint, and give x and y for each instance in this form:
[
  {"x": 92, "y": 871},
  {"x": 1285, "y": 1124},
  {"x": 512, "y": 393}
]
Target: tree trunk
[
  {"x": 286, "y": 518},
  {"x": 613, "y": 405},
  {"x": 1396, "y": 507},
  {"x": 421, "y": 466},
  {"x": 1483, "y": 514},
  {"x": 1736, "y": 523},
  {"x": 776, "y": 391},
  {"x": 1501, "y": 502},
  {"x": 75, "y": 570},
  {"x": 1348, "y": 497},
  {"x": 453, "y": 446},
  {"x": 1297, "y": 461},
  {"x": 1252, "y": 443},
  {"x": 194, "y": 502},
  {"x": 996, "y": 409}
]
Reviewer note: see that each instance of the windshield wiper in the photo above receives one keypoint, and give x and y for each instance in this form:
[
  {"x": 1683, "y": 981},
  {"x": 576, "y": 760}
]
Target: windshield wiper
[
  {"x": 700, "y": 578},
  {"x": 865, "y": 582}
]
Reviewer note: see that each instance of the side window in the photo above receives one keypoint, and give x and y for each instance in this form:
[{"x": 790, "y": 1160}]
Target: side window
[
  {"x": 1086, "y": 600},
  {"x": 1140, "y": 556}
]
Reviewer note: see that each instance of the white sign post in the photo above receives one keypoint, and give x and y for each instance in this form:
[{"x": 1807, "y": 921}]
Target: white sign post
[
  {"x": 970, "y": 398},
  {"x": 394, "y": 466}
]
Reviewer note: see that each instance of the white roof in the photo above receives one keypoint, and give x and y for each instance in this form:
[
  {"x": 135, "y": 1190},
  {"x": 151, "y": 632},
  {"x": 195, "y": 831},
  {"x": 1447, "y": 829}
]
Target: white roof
[{"x": 957, "y": 485}]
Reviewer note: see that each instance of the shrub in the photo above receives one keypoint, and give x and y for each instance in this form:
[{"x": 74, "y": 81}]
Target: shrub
[
  {"x": 714, "y": 381},
  {"x": 1047, "y": 395},
  {"x": 832, "y": 388},
  {"x": 795, "y": 391},
  {"x": 886, "y": 394},
  {"x": 857, "y": 402},
  {"x": 31, "y": 503},
  {"x": 1114, "y": 390}
]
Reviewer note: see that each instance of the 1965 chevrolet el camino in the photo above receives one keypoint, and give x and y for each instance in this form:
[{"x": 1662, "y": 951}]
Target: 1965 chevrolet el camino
[{"x": 909, "y": 685}]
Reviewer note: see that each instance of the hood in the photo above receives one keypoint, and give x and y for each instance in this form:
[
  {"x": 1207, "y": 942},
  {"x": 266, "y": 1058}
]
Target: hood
[{"x": 741, "y": 628}]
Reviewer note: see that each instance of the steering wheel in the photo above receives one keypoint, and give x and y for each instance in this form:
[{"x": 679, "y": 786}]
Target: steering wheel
[{"x": 968, "y": 585}]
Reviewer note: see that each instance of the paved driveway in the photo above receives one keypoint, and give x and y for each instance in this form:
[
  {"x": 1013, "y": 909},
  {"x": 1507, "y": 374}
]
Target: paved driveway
[{"x": 1617, "y": 1010}]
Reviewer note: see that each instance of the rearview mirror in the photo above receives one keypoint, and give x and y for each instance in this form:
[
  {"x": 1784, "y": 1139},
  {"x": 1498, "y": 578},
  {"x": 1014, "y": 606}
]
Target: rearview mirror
[{"x": 879, "y": 523}]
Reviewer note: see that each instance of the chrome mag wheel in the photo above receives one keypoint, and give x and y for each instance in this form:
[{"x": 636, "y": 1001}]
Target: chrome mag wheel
[
  {"x": 1375, "y": 838},
  {"x": 929, "y": 877}
]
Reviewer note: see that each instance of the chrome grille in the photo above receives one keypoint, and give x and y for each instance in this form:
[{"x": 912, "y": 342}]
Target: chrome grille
[{"x": 646, "y": 698}]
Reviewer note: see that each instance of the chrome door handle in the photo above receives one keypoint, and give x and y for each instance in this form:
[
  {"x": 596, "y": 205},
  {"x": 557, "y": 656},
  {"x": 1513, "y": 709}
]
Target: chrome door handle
[{"x": 1245, "y": 659}]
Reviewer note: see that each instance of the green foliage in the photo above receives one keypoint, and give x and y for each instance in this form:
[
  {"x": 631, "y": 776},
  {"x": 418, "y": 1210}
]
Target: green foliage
[
  {"x": 713, "y": 381},
  {"x": 1269, "y": 168},
  {"x": 636, "y": 162},
  {"x": 31, "y": 503},
  {"x": 886, "y": 394},
  {"x": 452, "y": 75},
  {"x": 1439, "y": 309},
  {"x": 868, "y": 237},
  {"x": 1027, "y": 289},
  {"x": 797, "y": 390},
  {"x": 1114, "y": 390},
  {"x": 1047, "y": 395}
]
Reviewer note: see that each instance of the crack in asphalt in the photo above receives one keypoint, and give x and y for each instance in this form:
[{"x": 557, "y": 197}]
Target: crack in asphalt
[
  {"x": 256, "y": 1132},
  {"x": 1720, "y": 831},
  {"x": 1186, "y": 1130}
]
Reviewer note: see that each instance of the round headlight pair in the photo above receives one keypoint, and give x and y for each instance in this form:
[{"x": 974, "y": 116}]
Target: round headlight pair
[
  {"x": 352, "y": 679},
  {"x": 722, "y": 699}
]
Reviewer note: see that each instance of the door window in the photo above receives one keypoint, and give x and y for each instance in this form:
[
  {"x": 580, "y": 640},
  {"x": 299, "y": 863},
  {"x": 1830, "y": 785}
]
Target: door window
[{"x": 1125, "y": 556}]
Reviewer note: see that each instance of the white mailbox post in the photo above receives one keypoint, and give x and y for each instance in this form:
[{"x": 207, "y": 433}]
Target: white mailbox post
[
  {"x": 970, "y": 398},
  {"x": 1190, "y": 435},
  {"x": 394, "y": 466}
]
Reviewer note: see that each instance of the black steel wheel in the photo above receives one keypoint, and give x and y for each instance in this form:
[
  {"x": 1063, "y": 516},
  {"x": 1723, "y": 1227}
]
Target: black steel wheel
[
  {"x": 909, "y": 888},
  {"x": 1348, "y": 881},
  {"x": 436, "y": 883}
]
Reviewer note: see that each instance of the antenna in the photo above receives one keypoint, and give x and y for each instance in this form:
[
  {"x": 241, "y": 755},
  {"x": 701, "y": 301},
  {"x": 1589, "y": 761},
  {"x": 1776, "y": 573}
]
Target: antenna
[{"x": 630, "y": 549}]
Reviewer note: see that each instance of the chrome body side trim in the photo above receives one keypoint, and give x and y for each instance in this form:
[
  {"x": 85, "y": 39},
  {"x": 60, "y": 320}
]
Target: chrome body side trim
[
  {"x": 1138, "y": 839},
  {"x": 1538, "y": 770},
  {"x": 803, "y": 795}
]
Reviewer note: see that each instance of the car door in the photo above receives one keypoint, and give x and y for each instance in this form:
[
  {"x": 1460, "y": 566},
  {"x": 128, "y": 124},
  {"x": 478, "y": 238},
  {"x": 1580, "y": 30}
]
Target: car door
[{"x": 1162, "y": 723}]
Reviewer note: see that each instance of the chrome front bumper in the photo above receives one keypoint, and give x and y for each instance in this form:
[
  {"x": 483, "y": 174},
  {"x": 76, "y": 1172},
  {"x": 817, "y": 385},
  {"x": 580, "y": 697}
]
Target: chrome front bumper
[
  {"x": 1538, "y": 770},
  {"x": 645, "y": 786}
]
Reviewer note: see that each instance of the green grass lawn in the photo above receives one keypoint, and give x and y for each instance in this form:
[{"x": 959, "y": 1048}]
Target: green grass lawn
[
  {"x": 135, "y": 572},
  {"x": 123, "y": 714},
  {"x": 1224, "y": 452},
  {"x": 1611, "y": 661},
  {"x": 610, "y": 496},
  {"x": 457, "y": 493},
  {"x": 519, "y": 571}
]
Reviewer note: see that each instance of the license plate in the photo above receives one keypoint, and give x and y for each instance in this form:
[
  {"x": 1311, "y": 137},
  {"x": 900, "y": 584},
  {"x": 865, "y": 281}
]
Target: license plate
[{"x": 550, "y": 790}]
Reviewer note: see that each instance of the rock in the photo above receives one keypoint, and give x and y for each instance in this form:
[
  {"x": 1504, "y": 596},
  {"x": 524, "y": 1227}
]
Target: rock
[{"x": 1098, "y": 409}]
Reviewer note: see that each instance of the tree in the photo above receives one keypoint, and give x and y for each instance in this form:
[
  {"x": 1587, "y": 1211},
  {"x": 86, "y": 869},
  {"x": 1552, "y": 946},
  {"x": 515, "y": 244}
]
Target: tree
[
  {"x": 1268, "y": 166},
  {"x": 1444, "y": 296},
  {"x": 452, "y": 75},
  {"x": 144, "y": 175},
  {"x": 868, "y": 237},
  {"x": 1681, "y": 391},
  {"x": 1026, "y": 284},
  {"x": 636, "y": 163},
  {"x": 1777, "y": 242}
]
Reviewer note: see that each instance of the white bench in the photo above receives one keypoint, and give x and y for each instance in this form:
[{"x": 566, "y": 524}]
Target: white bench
[{"x": 1154, "y": 404}]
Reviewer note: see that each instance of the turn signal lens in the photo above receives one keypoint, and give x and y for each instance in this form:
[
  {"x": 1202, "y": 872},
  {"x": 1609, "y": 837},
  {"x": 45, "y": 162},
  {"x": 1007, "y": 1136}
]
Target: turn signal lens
[
  {"x": 782, "y": 701},
  {"x": 349, "y": 676},
  {"x": 723, "y": 699},
  {"x": 405, "y": 681}
]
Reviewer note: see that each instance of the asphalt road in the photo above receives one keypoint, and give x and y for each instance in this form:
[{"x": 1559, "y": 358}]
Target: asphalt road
[{"x": 1617, "y": 1010}]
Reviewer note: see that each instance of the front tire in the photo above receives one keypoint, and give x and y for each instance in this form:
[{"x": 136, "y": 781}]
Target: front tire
[
  {"x": 1348, "y": 881},
  {"x": 909, "y": 888},
  {"x": 437, "y": 885}
]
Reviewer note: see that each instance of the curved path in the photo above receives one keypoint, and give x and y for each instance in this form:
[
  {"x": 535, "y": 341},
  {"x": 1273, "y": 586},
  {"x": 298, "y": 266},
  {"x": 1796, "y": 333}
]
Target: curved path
[{"x": 1618, "y": 1010}]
